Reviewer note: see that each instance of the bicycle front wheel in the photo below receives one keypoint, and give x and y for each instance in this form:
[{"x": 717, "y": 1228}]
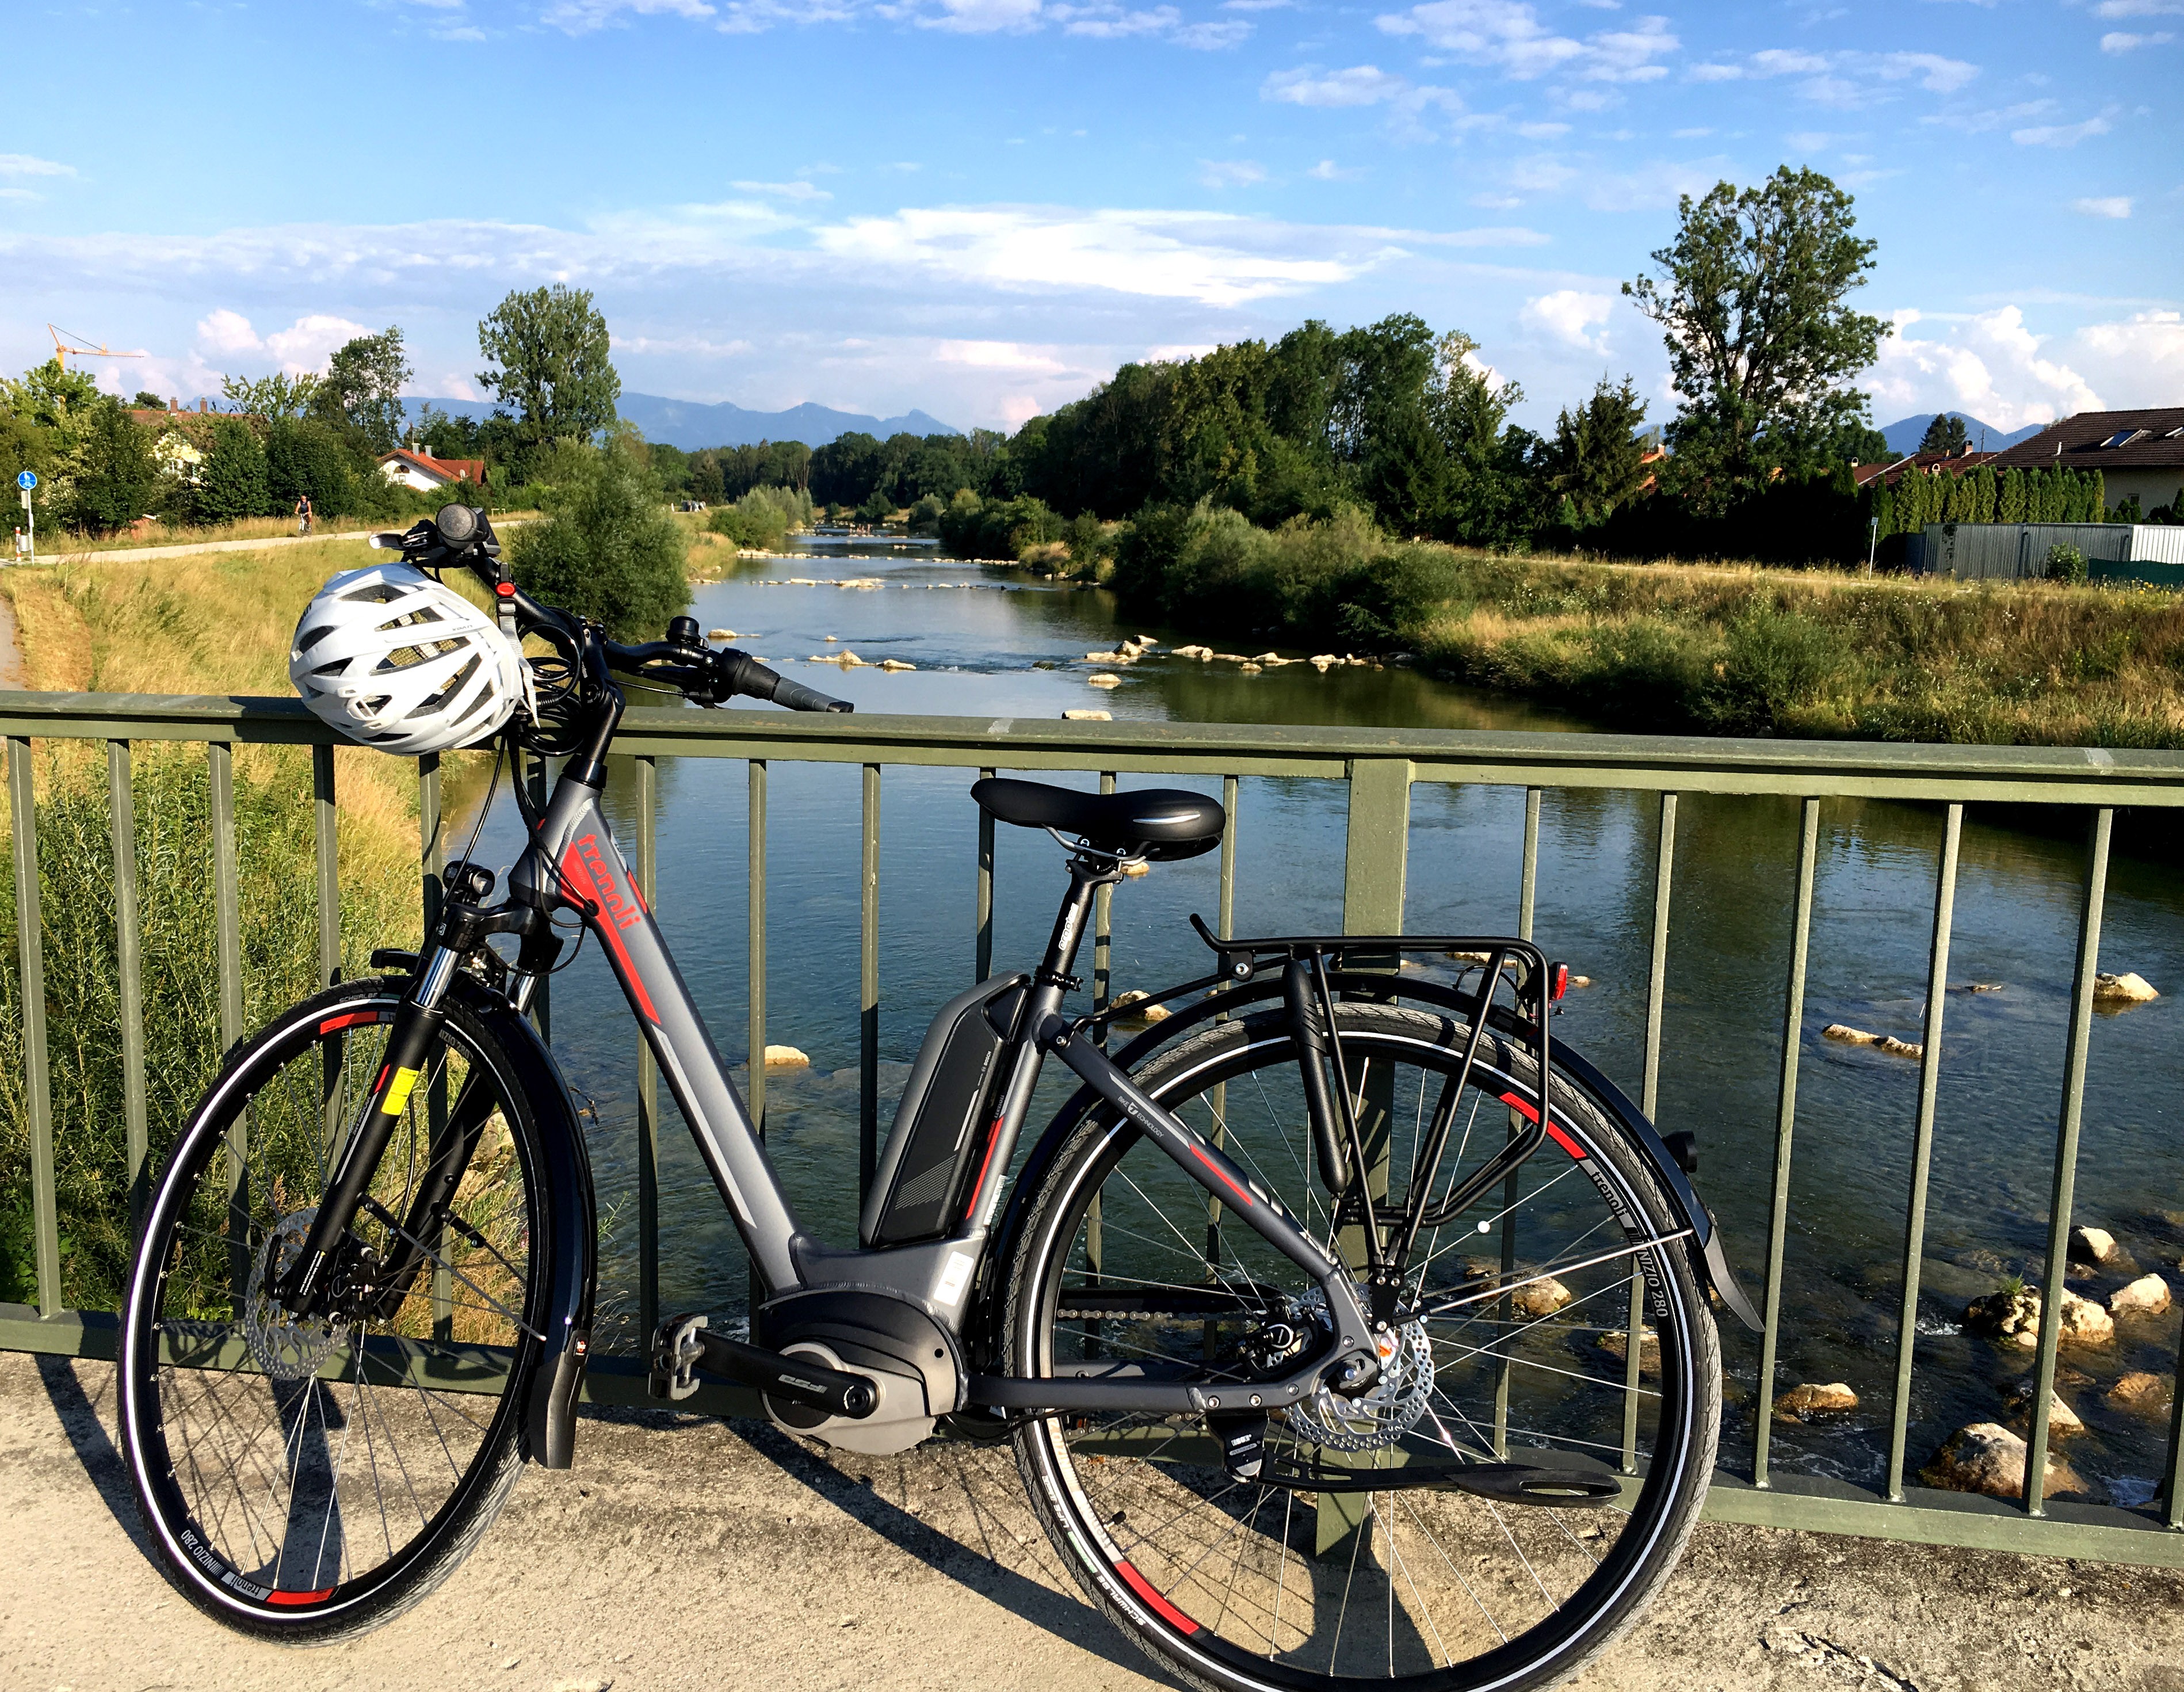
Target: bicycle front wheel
[
  {"x": 309, "y": 1478},
  {"x": 1554, "y": 1324}
]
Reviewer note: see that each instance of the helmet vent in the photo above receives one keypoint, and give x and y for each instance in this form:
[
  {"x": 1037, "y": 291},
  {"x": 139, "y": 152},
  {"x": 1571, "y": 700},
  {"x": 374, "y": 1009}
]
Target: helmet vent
[
  {"x": 375, "y": 593},
  {"x": 311, "y": 637},
  {"x": 402, "y": 657},
  {"x": 439, "y": 699}
]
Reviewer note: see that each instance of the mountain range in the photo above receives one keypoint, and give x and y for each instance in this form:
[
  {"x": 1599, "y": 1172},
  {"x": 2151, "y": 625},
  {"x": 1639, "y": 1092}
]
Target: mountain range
[
  {"x": 1904, "y": 437},
  {"x": 689, "y": 425}
]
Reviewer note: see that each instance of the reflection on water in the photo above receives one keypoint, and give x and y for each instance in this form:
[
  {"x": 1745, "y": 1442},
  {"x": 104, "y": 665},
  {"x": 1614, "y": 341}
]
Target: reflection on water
[{"x": 985, "y": 644}]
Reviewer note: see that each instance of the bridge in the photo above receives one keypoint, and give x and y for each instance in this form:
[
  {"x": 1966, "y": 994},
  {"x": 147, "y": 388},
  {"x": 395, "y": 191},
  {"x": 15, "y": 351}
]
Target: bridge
[{"x": 1377, "y": 773}]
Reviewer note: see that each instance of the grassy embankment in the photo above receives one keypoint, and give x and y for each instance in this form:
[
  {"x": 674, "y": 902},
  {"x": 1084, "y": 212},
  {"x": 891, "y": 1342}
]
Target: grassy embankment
[
  {"x": 1707, "y": 649},
  {"x": 217, "y": 623}
]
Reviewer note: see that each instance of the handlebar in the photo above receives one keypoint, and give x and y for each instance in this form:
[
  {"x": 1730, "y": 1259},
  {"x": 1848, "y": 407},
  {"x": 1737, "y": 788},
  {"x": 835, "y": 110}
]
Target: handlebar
[{"x": 795, "y": 696}]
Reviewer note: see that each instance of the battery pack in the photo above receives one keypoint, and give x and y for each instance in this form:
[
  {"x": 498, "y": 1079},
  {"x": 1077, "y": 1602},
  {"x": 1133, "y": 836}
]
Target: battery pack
[{"x": 918, "y": 1189}]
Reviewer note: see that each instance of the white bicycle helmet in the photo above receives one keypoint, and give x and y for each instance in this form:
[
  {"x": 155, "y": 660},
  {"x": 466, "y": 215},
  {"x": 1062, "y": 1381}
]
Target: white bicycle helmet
[{"x": 394, "y": 659}]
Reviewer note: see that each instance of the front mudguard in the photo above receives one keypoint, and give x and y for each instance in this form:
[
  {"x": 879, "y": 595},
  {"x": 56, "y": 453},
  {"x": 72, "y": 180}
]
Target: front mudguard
[
  {"x": 1708, "y": 1257},
  {"x": 571, "y": 1219}
]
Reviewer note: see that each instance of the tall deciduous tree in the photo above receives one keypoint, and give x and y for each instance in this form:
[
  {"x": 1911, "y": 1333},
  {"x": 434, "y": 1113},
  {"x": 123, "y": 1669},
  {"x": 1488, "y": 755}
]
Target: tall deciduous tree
[
  {"x": 231, "y": 481},
  {"x": 113, "y": 477},
  {"x": 1752, "y": 295},
  {"x": 362, "y": 388},
  {"x": 552, "y": 365},
  {"x": 1945, "y": 433},
  {"x": 279, "y": 398},
  {"x": 609, "y": 547}
]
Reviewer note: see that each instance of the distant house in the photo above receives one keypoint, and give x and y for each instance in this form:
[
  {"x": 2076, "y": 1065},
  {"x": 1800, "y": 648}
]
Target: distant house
[
  {"x": 1927, "y": 463},
  {"x": 178, "y": 441},
  {"x": 2136, "y": 452},
  {"x": 426, "y": 473}
]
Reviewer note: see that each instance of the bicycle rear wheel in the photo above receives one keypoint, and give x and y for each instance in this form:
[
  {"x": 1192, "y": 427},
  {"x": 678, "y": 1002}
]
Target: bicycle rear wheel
[
  {"x": 1351, "y": 1558},
  {"x": 305, "y": 1479}
]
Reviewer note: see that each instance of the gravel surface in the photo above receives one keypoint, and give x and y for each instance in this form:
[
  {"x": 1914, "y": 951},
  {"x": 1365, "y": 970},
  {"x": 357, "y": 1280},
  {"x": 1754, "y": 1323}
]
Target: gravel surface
[{"x": 684, "y": 1552}]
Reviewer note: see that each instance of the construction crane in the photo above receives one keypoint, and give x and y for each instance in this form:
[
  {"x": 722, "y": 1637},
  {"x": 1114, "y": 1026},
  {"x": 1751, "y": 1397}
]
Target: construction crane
[{"x": 62, "y": 349}]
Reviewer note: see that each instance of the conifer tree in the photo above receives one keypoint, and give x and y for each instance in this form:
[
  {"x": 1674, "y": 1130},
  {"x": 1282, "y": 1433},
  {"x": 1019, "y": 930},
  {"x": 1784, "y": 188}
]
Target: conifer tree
[{"x": 232, "y": 482}]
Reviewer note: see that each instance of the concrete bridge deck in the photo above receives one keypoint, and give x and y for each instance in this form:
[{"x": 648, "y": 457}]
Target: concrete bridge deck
[{"x": 687, "y": 1552}]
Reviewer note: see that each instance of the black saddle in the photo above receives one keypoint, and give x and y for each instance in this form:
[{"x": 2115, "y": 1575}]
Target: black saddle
[{"x": 1155, "y": 822}]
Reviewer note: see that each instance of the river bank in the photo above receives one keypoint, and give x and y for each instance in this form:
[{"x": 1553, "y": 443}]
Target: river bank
[{"x": 1696, "y": 649}]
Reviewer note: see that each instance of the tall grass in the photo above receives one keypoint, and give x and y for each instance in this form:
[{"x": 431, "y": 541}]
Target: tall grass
[
  {"x": 216, "y": 624},
  {"x": 1684, "y": 648}
]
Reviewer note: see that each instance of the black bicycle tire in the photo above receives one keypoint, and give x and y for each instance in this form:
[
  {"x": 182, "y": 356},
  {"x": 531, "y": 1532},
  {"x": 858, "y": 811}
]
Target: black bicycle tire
[
  {"x": 391, "y": 1588},
  {"x": 1136, "y": 1613}
]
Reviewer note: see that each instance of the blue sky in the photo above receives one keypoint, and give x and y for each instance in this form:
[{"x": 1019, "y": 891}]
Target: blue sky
[{"x": 980, "y": 207}]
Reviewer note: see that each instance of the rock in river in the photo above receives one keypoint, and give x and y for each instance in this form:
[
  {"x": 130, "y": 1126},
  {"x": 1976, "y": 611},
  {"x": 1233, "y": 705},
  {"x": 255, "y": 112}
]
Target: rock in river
[
  {"x": 1804, "y": 1402},
  {"x": 1616, "y": 1342},
  {"x": 1988, "y": 1457},
  {"x": 2148, "y": 1295},
  {"x": 786, "y": 1057},
  {"x": 2013, "y": 1315},
  {"x": 2127, "y": 989},
  {"x": 2146, "y": 1393},
  {"x": 2062, "y": 1419}
]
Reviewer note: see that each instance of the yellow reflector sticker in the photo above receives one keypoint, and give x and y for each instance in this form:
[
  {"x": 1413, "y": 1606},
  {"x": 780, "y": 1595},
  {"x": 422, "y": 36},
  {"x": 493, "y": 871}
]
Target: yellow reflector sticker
[{"x": 397, "y": 1092}]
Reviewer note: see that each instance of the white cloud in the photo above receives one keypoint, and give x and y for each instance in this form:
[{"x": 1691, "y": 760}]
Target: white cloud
[
  {"x": 1115, "y": 23},
  {"x": 1257, "y": 5},
  {"x": 1931, "y": 70},
  {"x": 2109, "y": 205},
  {"x": 1231, "y": 173},
  {"x": 2139, "y": 9},
  {"x": 1008, "y": 355},
  {"x": 1844, "y": 79},
  {"x": 2060, "y": 135},
  {"x": 1543, "y": 131},
  {"x": 582, "y": 17},
  {"x": 1507, "y": 34},
  {"x": 309, "y": 342},
  {"x": 2140, "y": 362},
  {"x": 28, "y": 165},
  {"x": 787, "y": 191},
  {"x": 1990, "y": 365},
  {"x": 2122, "y": 41},
  {"x": 1568, "y": 315},
  {"x": 1361, "y": 85},
  {"x": 1714, "y": 73},
  {"x": 226, "y": 332},
  {"x": 1327, "y": 170}
]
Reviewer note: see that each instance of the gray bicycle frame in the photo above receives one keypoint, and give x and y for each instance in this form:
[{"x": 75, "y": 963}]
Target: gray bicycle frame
[{"x": 589, "y": 870}]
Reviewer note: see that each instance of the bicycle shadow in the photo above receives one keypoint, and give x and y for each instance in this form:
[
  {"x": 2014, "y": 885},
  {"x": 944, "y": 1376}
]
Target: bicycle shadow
[
  {"x": 993, "y": 1501},
  {"x": 78, "y": 1414}
]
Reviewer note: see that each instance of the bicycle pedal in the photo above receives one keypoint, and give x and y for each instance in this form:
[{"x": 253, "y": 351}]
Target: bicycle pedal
[{"x": 676, "y": 1352}]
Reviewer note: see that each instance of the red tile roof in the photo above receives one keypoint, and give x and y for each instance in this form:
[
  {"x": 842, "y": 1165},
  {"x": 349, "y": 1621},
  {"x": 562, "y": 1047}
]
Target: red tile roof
[
  {"x": 471, "y": 470},
  {"x": 1933, "y": 463}
]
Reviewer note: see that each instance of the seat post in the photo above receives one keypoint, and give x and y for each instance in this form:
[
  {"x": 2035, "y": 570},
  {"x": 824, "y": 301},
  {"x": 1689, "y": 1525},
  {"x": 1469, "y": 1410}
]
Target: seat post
[{"x": 1084, "y": 880}]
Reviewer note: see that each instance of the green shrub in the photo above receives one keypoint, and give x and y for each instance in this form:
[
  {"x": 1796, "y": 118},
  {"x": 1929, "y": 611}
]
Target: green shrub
[
  {"x": 231, "y": 481},
  {"x": 608, "y": 548},
  {"x": 2066, "y": 563}
]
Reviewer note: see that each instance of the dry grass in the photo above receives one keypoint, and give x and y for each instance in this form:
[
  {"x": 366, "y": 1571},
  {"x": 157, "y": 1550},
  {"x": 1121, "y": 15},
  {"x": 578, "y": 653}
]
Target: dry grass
[{"x": 1725, "y": 649}]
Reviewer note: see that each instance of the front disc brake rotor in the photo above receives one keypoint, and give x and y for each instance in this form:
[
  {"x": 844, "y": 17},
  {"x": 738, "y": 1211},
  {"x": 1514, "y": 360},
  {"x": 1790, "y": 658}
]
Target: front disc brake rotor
[{"x": 286, "y": 1347}]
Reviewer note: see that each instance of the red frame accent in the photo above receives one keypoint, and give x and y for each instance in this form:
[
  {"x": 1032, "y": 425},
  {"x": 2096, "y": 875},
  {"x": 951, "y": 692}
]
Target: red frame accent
[
  {"x": 334, "y": 1024},
  {"x": 1227, "y": 1180},
  {"x": 578, "y": 873},
  {"x": 1144, "y": 1589},
  {"x": 1568, "y": 1144},
  {"x": 1529, "y": 1112},
  {"x": 293, "y": 1599}
]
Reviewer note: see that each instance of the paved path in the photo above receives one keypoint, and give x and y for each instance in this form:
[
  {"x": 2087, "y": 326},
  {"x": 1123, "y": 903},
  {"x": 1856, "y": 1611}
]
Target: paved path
[
  {"x": 112, "y": 555},
  {"x": 684, "y": 1552}
]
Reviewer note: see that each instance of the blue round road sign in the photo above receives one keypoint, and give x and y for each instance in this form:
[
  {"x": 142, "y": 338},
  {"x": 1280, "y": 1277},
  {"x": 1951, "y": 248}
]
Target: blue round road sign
[{"x": 27, "y": 480}]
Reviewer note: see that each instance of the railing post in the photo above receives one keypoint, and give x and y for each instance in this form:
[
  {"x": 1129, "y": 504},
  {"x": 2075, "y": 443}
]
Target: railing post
[
  {"x": 2064, "y": 1190},
  {"x": 429, "y": 856},
  {"x": 868, "y": 989},
  {"x": 755, "y": 997},
  {"x": 1528, "y": 878},
  {"x": 542, "y": 1008},
  {"x": 129, "y": 965},
  {"x": 1657, "y": 968},
  {"x": 1786, "y": 1122},
  {"x": 1375, "y": 861},
  {"x": 327, "y": 824},
  {"x": 1922, "y": 1143},
  {"x": 647, "y": 1075},
  {"x": 37, "y": 1081},
  {"x": 985, "y": 910},
  {"x": 227, "y": 929},
  {"x": 1103, "y": 907}
]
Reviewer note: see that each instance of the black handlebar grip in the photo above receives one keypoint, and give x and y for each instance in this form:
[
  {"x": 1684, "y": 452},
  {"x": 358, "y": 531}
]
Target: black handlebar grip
[{"x": 795, "y": 696}]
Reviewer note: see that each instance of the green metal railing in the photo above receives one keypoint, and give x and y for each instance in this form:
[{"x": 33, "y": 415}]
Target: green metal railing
[{"x": 1379, "y": 768}]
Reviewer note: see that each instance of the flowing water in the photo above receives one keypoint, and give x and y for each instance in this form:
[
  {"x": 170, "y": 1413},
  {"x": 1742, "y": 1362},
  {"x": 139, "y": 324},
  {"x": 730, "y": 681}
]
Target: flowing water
[{"x": 992, "y": 643}]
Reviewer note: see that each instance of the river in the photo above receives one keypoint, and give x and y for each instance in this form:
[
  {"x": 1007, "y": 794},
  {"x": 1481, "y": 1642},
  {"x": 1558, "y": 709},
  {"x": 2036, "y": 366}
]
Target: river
[{"x": 990, "y": 643}]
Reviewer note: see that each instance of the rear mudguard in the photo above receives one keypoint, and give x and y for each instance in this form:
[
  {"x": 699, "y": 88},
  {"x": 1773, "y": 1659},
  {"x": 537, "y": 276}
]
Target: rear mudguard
[
  {"x": 1708, "y": 1256},
  {"x": 549, "y": 1415}
]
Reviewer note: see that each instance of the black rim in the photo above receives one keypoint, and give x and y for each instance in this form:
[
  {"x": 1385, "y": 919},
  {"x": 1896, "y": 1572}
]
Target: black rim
[
  {"x": 1243, "y": 1576},
  {"x": 294, "y": 1470}
]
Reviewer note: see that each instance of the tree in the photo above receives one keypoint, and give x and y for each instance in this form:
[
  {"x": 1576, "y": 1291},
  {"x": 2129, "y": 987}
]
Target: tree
[
  {"x": 1945, "y": 433},
  {"x": 609, "y": 547},
  {"x": 362, "y": 389},
  {"x": 114, "y": 479},
  {"x": 278, "y": 398},
  {"x": 1596, "y": 460},
  {"x": 147, "y": 400},
  {"x": 306, "y": 457},
  {"x": 551, "y": 350},
  {"x": 1761, "y": 346},
  {"x": 231, "y": 481}
]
